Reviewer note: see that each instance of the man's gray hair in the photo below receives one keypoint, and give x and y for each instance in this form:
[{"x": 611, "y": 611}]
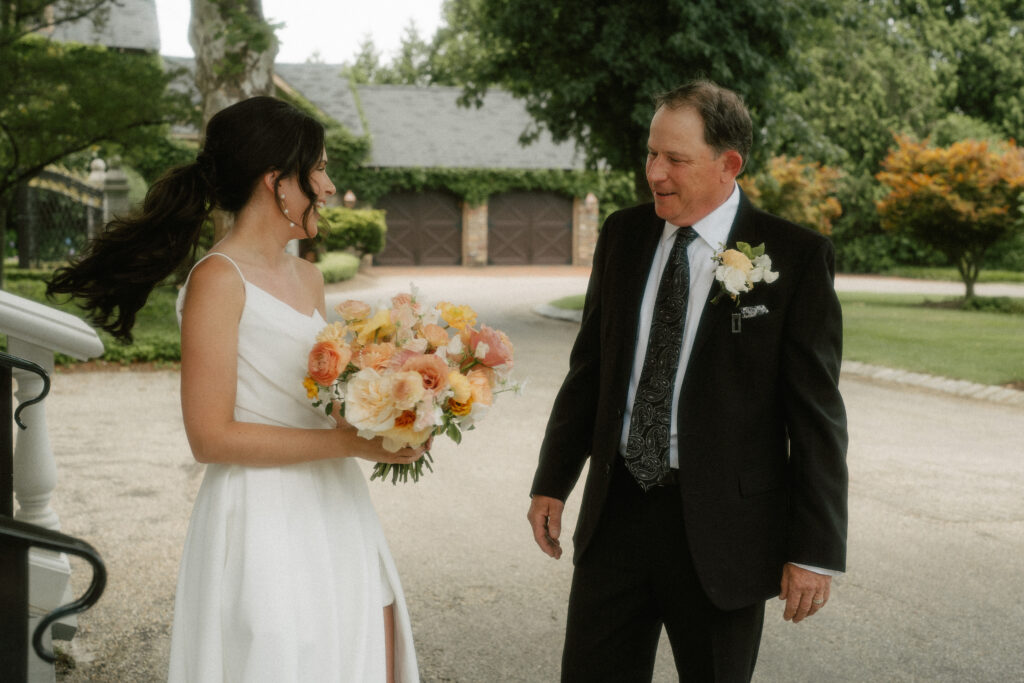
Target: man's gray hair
[{"x": 726, "y": 120}]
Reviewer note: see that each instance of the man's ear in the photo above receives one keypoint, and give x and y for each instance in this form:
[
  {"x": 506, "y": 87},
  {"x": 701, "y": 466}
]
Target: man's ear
[{"x": 732, "y": 164}]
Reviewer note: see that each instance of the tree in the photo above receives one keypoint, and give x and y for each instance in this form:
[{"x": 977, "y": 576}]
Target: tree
[
  {"x": 961, "y": 199},
  {"x": 798, "y": 190},
  {"x": 60, "y": 98},
  {"x": 235, "y": 49},
  {"x": 588, "y": 70}
]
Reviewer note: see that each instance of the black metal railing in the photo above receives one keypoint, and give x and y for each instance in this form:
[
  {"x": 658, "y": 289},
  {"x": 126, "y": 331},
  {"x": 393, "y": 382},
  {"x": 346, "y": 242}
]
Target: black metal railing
[{"x": 17, "y": 538}]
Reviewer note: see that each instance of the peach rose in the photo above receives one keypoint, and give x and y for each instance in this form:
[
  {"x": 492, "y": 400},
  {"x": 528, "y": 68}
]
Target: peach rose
[
  {"x": 327, "y": 360},
  {"x": 407, "y": 389},
  {"x": 480, "y": 382},
  {"x": 737, "y": 259},
  {"x": 351, "y": 310},
  {"x": 432, "y": 369},
  {"x": 491, "y": 347},
  {"x": 435, "y": 335},
  {"x": 375, "y": 356},
  {"x": 369, "y": 403}
]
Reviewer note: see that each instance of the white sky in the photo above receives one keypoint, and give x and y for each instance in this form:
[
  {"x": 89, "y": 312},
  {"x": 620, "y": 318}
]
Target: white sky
[{"x": 333, "y": 27}]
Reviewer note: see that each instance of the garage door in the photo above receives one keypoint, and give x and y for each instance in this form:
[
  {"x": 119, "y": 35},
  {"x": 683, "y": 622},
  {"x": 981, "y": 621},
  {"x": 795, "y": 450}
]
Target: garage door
[
  {"x": 529, "y": 228},
  {"x": 424, "y": 229}
]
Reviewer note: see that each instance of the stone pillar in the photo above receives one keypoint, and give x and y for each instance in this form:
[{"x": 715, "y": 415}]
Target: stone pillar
[
  {"x": 115, "y": 192},
  {"x": 584, "y": 230},
  {"x": 474, "y": 234}
]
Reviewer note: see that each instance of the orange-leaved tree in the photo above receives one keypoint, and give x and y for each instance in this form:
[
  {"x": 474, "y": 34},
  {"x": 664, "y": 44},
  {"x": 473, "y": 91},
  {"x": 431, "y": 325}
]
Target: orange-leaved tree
[
  {"x": 960, "y": 199},
  {"x": 797, "y": 190}
]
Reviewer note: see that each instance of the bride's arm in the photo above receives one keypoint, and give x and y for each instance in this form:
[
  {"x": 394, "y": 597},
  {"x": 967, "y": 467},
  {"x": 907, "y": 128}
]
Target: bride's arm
[{"x": 209, "y": 358}]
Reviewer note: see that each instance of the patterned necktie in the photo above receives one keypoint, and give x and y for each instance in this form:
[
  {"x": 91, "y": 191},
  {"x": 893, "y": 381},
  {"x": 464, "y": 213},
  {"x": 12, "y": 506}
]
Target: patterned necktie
[{"x": 648, "y": 443}]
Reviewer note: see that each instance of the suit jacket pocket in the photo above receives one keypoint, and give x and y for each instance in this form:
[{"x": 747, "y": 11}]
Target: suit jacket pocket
[{"x": 761, "y": 480}]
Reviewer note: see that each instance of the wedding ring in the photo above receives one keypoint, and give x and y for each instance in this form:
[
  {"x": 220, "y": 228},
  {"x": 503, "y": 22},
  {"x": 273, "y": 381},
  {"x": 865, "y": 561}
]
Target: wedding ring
[{"x": 818, "y": 601}]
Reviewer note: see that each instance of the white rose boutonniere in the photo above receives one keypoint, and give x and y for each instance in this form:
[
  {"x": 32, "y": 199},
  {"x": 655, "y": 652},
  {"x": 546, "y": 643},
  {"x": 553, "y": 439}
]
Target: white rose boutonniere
[{"x": 740, "y": 268}]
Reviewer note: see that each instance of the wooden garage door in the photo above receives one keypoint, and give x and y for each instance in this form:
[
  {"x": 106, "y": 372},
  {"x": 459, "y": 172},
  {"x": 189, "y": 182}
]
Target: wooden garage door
[
  {"x": 424, "y": 229},
  {"x": 529, "y": 228}
]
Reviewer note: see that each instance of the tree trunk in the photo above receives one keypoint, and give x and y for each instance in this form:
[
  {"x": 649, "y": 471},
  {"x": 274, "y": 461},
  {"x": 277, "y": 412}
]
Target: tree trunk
[{"x": 235, "y": 50}]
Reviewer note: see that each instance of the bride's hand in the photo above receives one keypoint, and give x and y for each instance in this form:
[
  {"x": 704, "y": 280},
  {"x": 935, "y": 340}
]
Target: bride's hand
[{"x": 374, "y": 452}]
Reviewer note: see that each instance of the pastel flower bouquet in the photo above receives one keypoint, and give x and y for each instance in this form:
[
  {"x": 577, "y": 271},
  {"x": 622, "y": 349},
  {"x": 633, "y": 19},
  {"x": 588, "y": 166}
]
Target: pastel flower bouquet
[{"x": 407, "y": 373}]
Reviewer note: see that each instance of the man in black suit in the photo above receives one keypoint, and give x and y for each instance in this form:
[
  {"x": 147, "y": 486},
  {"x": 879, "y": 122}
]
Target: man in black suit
[{"x": 713, "y": 421}]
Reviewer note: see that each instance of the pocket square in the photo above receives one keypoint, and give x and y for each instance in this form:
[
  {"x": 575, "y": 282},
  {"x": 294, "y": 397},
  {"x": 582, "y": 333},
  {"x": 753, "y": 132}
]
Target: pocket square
[{"x": 753, "y": 311}]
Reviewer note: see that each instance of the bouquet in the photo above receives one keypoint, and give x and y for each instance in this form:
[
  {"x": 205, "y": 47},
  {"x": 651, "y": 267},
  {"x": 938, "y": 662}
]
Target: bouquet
[{"x": 407, "y": 373}]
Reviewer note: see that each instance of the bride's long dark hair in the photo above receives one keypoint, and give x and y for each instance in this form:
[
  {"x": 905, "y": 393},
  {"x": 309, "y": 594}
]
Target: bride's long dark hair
[{"x": 119, "y": 269}]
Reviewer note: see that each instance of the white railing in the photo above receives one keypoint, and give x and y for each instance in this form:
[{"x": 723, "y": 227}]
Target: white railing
[{"x": 36, "y": 332}]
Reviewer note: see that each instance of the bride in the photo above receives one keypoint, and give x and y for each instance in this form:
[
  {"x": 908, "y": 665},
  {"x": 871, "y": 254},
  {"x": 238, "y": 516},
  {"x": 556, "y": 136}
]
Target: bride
[{"x": 285, "y": 575}]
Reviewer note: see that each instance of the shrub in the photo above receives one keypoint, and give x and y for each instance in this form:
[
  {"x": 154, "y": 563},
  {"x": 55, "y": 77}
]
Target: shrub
[{"x": 361, "y": 231}]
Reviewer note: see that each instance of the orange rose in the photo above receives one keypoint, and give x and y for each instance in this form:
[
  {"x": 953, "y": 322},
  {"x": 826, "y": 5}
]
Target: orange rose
[
  {"x": 376, "y": 356},
  {"x": 432, "y": 369},
  {"x": 435, "y": 335},
  {"x": 327, "y": 360},
  {"x": 480, "y": 382}
]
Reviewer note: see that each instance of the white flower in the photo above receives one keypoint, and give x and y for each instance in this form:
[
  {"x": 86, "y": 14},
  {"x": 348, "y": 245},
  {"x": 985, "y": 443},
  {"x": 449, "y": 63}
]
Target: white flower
[
  {"x": 733, "y": 279},
  {"x": 763, "y": 270},
  {"x": 481, "y": 350}
]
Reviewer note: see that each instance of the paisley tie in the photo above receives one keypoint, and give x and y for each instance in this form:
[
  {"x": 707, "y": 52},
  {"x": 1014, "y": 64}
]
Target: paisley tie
[{"x": 648, "y": 443}]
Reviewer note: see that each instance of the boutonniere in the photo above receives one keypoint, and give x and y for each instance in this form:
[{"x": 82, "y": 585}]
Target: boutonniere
[{"x": 740, "y": 269}]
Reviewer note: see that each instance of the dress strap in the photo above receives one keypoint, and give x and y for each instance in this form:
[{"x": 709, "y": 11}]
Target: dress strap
[
  {"x": 230, "y": 260},
  {"x": 215, "y": 253}
]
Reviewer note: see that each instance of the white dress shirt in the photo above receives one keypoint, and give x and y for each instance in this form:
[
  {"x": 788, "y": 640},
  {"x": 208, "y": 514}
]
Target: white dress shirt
[{"x": 712, "y": 231}]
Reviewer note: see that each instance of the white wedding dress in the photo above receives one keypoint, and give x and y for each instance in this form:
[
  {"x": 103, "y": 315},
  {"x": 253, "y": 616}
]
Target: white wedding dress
[{"x": 285, "y": 570}]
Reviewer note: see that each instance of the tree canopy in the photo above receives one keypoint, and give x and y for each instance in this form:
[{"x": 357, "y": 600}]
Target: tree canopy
[{"x": 587, "y": 71}]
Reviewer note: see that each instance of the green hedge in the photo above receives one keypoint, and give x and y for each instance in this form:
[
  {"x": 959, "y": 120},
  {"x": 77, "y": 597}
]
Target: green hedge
[{"x": 361, "y": 231}]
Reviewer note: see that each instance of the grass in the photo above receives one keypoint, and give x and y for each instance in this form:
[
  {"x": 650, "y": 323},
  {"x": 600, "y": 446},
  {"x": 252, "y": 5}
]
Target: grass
[
  {"x": 156, "y": 337},
  {"x": 928, "y": 335},
  {"x": 901, "y": 331},
  {"x": 951, "y": 275}
]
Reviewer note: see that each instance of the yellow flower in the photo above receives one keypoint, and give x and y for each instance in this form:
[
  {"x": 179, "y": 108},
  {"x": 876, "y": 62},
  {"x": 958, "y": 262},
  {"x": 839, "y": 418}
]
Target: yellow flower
[
  {"x": 460, "y": 409},
  {"x": 312, "y": 388},
  {"x": 335, "y": 332},
  {"x": 461, "y": 386},
  {"x": 378, "y": 327},
  {"x": 459, "y": 317}
]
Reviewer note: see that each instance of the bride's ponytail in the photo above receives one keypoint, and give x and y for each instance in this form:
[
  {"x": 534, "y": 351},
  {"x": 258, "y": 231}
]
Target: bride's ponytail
[{"x": 120, "y": 268}]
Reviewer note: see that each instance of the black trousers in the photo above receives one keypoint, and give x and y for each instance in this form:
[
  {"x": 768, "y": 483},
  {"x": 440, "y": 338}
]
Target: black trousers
[{"x": 637, "y": 576}]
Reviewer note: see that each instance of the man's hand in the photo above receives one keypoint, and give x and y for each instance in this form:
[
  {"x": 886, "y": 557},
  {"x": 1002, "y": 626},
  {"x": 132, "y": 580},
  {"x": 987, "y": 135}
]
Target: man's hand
[
  {"x": 804, "y": 591},
  {"x": 545, "y": 517}
]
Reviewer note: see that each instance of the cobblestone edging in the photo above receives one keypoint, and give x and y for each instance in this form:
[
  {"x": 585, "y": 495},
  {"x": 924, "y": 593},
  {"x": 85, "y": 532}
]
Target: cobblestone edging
[{"x": 959, "y": 387}]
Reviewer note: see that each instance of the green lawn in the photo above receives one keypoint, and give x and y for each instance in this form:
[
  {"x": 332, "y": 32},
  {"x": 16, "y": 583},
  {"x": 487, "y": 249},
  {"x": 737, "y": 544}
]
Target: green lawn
[{"x": 898, "y": 331}]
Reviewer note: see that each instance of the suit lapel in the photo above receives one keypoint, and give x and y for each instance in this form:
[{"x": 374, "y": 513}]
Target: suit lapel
[{"x": 715, "y": 316}]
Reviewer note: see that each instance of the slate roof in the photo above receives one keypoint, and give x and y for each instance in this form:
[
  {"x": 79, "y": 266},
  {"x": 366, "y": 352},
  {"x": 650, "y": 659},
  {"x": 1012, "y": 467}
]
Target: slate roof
[
  {"x": 130, "y": 24},
  {"x": 425, "y": 126},
  {"x": 324, "y": 86}
]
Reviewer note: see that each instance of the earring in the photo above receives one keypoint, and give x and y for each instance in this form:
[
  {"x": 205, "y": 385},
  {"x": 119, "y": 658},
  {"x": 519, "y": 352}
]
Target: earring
[
  {"x": 285, "y": 212},
  {"x": 281, "y": 195},
  {"x": 291, "y": 225}
]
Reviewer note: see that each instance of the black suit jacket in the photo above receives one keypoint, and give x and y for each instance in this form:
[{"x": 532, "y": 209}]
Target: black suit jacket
[{"x": 762, "y": 427}]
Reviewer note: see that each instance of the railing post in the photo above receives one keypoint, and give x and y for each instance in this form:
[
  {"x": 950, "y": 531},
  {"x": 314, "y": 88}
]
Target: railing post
[{"x": 35, "y": 332}]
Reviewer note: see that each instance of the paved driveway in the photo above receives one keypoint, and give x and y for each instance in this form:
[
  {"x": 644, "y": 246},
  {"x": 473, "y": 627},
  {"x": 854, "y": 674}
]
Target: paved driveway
[{"x": 936, "y": 538}]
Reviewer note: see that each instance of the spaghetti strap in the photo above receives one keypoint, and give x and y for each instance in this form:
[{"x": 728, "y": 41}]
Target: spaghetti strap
[
  {"x": 181, "y": 293},
  {"x": 220, "y": 253}
]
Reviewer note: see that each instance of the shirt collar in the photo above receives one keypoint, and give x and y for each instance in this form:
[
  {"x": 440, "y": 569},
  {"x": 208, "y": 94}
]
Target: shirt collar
[{"x": 713, "y": 228}]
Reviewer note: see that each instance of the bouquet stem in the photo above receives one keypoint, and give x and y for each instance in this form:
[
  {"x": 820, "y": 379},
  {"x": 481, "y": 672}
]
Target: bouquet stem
[{"x": 403, "y": 472}]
